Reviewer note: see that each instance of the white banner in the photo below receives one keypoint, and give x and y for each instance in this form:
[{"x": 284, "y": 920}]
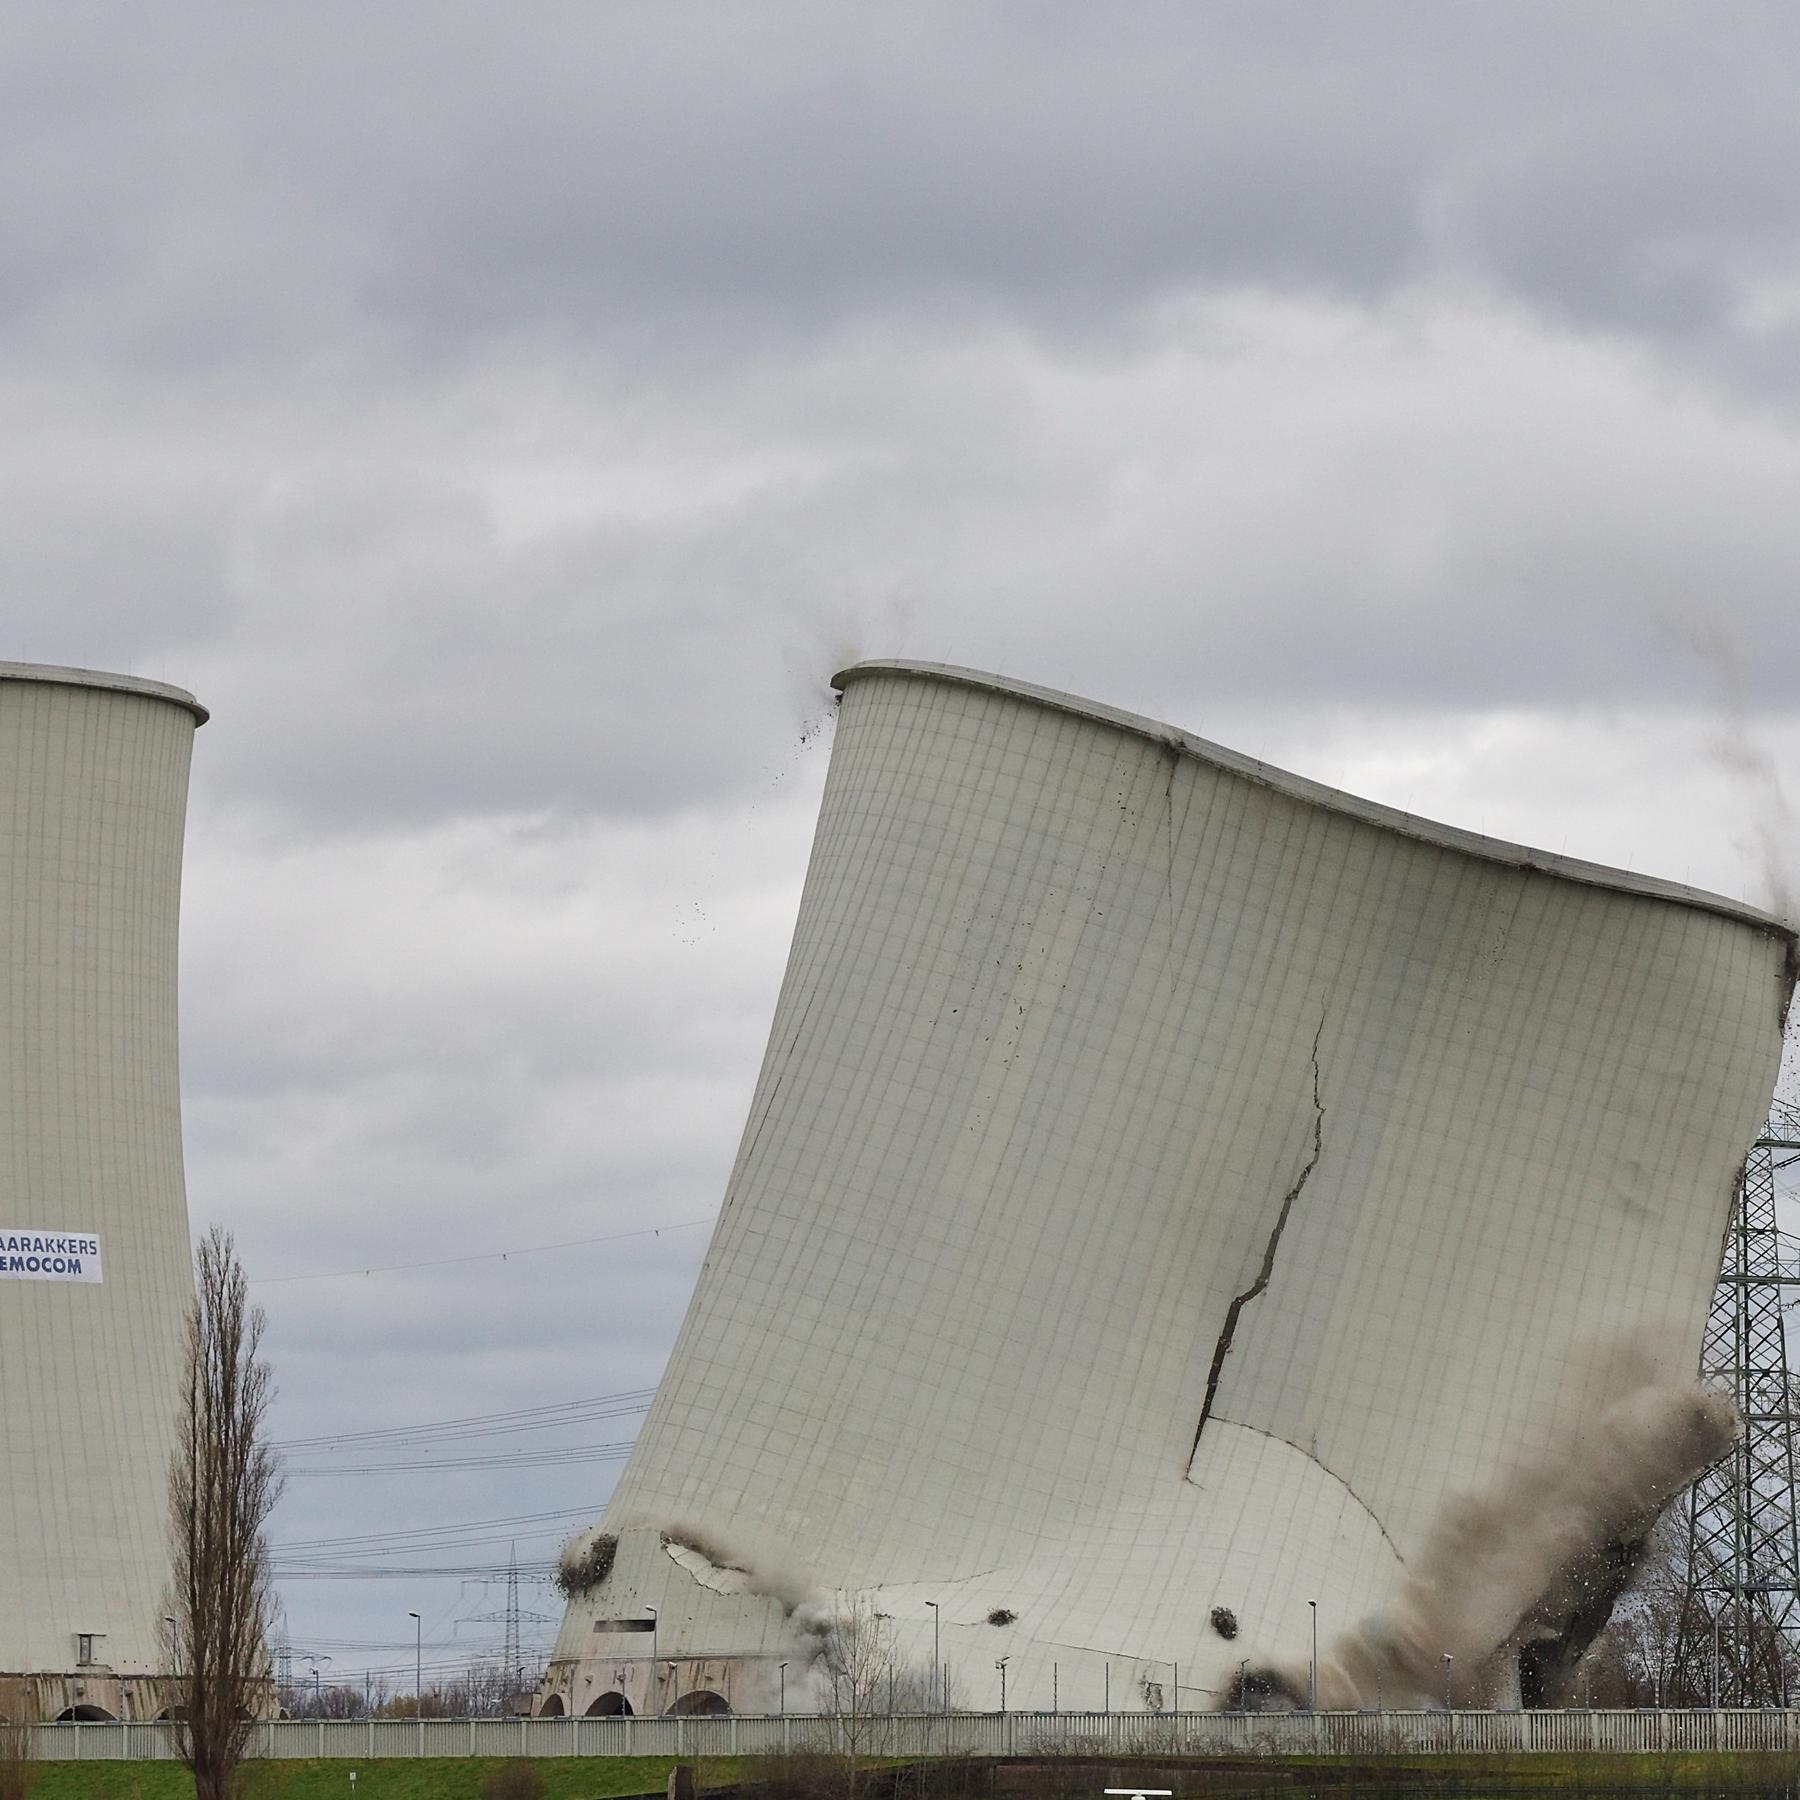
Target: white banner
[{"x": 48, "y": 1255}]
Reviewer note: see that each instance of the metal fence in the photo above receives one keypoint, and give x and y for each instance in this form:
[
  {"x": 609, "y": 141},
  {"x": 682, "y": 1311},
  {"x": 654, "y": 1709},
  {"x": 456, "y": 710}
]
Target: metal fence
[{"x": 971, "y": 1734}]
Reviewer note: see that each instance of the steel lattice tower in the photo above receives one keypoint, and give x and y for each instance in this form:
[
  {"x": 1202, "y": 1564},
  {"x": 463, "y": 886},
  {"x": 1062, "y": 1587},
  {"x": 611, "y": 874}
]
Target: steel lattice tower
[
  {"x": 1743, "y": 1573},
  {"x": 510, "y": 1652}
]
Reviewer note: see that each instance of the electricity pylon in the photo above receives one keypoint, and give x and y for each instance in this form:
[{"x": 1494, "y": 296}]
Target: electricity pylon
[
  {"x": 1743, "y": 1565},
  {"x": 512, "y": 1659}
]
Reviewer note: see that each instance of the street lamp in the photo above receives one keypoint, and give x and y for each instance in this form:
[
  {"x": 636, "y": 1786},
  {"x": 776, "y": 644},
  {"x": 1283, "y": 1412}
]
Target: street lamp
[
  {"x": 1448, "y": 1659},
  {"x": 650, "y": 1694},
  {"x": 784, "y": 1690},
  {"x": 1244, "y": 1685},
  {"x": 1312, "y": 1683},
  {"x": 1718, "y": 1620},
  {"x": 936, "y": 1665},
  {"x": 1001, "y": 1666},
  {"x": 418, "y": 1668}
]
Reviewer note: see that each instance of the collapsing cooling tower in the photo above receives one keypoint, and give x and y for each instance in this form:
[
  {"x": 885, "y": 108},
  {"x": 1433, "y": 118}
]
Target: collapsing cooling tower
[
  {"x": 95, "y": 1280},
  {"x": 1175, "y": 1193}
]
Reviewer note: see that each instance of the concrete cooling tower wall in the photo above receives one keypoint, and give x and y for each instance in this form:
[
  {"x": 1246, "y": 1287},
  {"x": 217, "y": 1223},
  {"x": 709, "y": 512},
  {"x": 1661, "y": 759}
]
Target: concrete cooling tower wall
[
  {"x": 1176, "y": 1194},
  {"x": 94, "y": 1273}
]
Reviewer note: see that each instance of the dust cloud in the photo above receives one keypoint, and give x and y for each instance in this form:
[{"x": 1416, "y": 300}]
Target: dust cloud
[{"x": 1518, "y": 1580}]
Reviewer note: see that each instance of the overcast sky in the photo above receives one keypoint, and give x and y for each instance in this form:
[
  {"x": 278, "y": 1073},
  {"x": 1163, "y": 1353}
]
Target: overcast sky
[{"x": 506, "y": 419}]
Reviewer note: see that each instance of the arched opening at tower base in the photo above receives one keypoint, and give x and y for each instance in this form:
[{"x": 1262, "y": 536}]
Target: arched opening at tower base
[
  {"x": 701, "y": 1703},
  {"x": 552, "y": 1708}
]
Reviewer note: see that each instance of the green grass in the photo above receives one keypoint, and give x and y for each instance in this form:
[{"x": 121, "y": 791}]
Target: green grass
[
  {"x": 395, "y": 1778},
  {"x": 1400, "y": 1777}
]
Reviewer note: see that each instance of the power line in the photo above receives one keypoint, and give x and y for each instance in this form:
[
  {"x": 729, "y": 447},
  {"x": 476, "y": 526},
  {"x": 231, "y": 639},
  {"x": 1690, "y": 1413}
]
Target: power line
[
  {"x": 445, "y": 1262},
  {"x": 509, "y": 1459},
  {"x": 506, "y": 1525},
  {"x": 376, "y": 1553},
  {"x": 538, "y": 1572},
  {"x": 515, "y": 1419}
]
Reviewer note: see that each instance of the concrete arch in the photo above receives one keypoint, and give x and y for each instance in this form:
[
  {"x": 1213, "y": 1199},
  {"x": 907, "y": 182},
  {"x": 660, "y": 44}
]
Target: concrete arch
[
  {"x": 701, "y": 1703},
  {"x": 84, "y": 1715},
  {"x": 611, "y": 1705},
  {"x": 552, "y": 1708}
]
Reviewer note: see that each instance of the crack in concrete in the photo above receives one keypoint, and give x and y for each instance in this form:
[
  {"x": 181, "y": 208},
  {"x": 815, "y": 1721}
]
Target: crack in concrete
[
  {"x": 1223, "y": 1347},
  {"x": 1324, "y": 1468}
]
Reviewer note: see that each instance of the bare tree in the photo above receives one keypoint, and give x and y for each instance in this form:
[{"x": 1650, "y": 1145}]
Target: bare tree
[
  {"x": 857, "y": 1661},
  {"x": 224, "y": 1481}
]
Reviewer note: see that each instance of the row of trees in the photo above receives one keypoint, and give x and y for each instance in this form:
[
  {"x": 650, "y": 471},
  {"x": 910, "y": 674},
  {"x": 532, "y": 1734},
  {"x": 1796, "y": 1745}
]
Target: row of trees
[
  {"x": 1636, "y": 1659},
  {"x": 483, "y": 1691}
]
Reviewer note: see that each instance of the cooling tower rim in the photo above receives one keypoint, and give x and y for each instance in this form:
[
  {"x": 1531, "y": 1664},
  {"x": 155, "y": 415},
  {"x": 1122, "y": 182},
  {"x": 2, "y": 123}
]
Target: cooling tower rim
[
  {"x": 98, "y": 678},
  {"x": 1316, "y": 793}
]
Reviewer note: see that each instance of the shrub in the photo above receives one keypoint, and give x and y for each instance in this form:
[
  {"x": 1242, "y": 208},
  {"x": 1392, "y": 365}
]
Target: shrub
[
  {"x": 513, "y": 1781},
  {"x": 1002, "y": 1615},
  {"x": 16, "y": 1772}
]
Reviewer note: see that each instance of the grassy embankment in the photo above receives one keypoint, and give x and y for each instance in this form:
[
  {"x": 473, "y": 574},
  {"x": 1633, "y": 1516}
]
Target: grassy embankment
[
  {"x": 1538, "y": 1777},
  {"x": 397, "y": 1778}
]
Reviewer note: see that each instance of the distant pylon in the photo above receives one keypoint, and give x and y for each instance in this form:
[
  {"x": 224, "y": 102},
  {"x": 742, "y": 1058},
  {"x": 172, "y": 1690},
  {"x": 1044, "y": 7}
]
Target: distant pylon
[
  {"x": 511, "y": 1659},
  {"x": 1743, "y": 1563}
]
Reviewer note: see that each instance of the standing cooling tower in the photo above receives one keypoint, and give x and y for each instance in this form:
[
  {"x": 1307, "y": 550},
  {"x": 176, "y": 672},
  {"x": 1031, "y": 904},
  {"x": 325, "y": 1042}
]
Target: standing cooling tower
[
  {"x": 95, "y": 1277},
  {"x": 1181, "y": 1202}
]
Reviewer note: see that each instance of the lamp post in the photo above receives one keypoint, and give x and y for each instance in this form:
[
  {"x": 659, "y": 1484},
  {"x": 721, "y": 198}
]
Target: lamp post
[
  {"x": 1447, "y": 1661},
  {"x": 418, "y": 1675},
  {"x": 1244, "y": 1685},
  {"x": 175, "y": 1698},
  {"x": 1001, "y": 1666},
  {"x": 1312, "y": 1679},
  {"x": 650, "y": 1690},
  {"x": 1718, "y": 1620},
  {"x": 318, "y": 1696},
  {"x": 937, "y": 1666},
  {"x": 783, "y": 1667}
]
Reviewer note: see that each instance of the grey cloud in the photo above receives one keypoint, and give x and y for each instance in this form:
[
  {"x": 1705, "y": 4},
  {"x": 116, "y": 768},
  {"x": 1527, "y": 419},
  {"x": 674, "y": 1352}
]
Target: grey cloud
[{"x": 662, "y": 179}]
